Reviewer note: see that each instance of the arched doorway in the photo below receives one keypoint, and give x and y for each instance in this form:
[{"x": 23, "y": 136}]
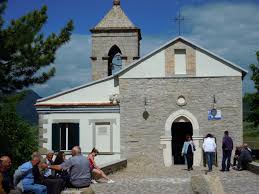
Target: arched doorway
[
  {"x": 181, "y": 127},
  {"x": 115, "y": 60},
  {"x": 180, "y": 119}
]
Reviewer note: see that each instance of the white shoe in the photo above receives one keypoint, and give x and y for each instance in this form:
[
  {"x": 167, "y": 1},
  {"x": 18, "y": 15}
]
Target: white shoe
[
  {"x": 110, "y": 181},
  {"x": 94, "y": 181}
]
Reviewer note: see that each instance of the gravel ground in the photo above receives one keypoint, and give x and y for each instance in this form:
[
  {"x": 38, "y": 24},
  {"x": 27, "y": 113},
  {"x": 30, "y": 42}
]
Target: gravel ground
[{"x": 141, "y": 177}]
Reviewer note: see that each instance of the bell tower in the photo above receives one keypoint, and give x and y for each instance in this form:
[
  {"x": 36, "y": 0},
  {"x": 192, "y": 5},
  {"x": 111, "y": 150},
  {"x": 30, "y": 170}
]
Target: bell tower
[{"x": 115, "y": 43}]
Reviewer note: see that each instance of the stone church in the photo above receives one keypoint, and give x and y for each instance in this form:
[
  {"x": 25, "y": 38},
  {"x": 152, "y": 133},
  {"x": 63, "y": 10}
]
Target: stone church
[{"x": 144, "y": 106}]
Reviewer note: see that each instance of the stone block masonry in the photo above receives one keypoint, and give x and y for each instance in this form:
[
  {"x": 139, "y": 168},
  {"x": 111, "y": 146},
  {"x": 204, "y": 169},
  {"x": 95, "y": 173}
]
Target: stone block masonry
[
  {"x": 102, "y": 42},
  {"x": 140, "y": 137}
]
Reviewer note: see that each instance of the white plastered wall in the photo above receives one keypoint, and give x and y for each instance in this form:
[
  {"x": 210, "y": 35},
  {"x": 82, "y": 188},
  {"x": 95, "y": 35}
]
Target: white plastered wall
[
  {"x": 208, "y": 66},
  {"x": 152, "y": 67},
  {"x": 86, "y": 132},
  {"x": 99, "y": 92}
]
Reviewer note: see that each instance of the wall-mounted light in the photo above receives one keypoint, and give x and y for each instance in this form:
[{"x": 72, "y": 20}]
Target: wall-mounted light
[
  {"x": 214, "y": 109},
  {"x": 145, "y": 113}
]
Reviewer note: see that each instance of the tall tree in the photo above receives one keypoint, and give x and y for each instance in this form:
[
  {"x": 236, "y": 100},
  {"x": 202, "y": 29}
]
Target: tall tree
[
  {"x": 25, "y": 53},
  {"x": 253, "y": 99}
]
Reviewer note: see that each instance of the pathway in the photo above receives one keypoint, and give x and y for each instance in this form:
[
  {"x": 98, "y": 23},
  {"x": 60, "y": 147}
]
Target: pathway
[{"x": 141, "y": 177}]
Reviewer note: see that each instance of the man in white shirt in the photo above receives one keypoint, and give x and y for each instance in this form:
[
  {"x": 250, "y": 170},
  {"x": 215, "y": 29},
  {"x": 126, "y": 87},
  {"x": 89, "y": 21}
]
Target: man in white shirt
[
  {"x": 209, "y": 147},
  {"x": 48, "y": 160}
]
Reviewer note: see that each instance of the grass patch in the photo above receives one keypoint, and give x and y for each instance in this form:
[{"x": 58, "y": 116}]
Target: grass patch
[{"x": 251, "y": 135}]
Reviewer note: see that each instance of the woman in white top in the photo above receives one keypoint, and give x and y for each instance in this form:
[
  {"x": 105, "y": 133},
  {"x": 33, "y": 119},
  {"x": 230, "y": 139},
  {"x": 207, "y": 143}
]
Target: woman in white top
[{"x": 209, "y": 147}]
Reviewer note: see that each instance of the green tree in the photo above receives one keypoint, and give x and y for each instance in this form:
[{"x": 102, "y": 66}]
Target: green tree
[
  {"x": 253, "y": 99},
  {"x": 25, "y": 56},
  {"x": 18, "y": 138},
  {"x": 25, "y": 53}
]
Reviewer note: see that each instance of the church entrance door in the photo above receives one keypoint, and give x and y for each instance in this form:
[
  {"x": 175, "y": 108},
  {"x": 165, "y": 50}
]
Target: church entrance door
[{"x": 179, "y": 130}]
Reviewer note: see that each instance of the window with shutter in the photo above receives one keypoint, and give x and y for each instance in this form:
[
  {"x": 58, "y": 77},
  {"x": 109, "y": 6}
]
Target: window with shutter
[
  {"x": 55, "y": 137},
  {"x": 73, "y": 135},
  {"x": 65, "y": 136}
]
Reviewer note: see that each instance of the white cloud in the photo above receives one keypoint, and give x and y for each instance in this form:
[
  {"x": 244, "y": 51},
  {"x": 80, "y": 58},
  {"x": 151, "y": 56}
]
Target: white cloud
[
  {"x": 231, "y": 30},
  {"x": 149, "y": 43},
  {"x": 73, "y": 66}
]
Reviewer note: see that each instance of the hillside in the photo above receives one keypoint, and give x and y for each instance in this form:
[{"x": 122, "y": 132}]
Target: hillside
[{"x": 26, "y": 109}]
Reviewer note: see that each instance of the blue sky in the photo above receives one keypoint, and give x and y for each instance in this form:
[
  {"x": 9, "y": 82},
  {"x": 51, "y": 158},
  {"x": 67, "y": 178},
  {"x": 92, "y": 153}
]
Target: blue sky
[{"x": 227, "y": 28}]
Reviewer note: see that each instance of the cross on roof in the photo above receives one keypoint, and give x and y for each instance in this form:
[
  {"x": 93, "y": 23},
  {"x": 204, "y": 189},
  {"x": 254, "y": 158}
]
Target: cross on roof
[{"x": 179, "y": 18}]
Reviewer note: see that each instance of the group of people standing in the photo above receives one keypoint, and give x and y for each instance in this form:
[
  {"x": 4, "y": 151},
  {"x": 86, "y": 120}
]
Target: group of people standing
[
  {"x": 242, "y": 156},
  {"x": 42, "y": 176}
]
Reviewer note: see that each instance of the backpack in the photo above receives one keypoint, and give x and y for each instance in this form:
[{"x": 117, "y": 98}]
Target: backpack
[{"x": 189, "y": 149}]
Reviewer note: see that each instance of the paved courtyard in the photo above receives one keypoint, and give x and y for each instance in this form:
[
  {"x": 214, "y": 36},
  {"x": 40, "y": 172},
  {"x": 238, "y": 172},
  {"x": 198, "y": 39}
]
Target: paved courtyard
[{"x": 143, "y": 178}]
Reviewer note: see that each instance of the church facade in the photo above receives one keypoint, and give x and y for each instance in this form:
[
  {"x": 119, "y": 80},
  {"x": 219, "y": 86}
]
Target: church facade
[{"x": 144, "y": 107}]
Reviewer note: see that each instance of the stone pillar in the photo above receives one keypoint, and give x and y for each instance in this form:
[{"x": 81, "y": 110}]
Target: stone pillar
[
  {"x": 166, "y": 141},
  {"x": 197, "y": 157},
  {"x": 42, "y": 131}
]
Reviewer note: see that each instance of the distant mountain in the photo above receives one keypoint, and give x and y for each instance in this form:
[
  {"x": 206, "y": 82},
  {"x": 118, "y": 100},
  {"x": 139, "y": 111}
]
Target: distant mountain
[{"x": 26, "y": 109}]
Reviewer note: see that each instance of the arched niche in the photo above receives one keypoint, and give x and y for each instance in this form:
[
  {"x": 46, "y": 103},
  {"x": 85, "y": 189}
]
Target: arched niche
[{"x": 115, "y": 60}]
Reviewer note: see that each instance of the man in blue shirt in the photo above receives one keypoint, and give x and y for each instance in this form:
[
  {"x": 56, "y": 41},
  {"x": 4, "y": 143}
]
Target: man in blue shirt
[{"x": 28, "y": 178}]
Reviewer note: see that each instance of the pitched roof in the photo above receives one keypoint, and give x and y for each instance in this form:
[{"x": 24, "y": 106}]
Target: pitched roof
[
  {"x": 115, "y": 19},
  {"x": 196, "y": 46},
  {"x": 135, "y": 63},
  {"x": 76, "y": 104}
]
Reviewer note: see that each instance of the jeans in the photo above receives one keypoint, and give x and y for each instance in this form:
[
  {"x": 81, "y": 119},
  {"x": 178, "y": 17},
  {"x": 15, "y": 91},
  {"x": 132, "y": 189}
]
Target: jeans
[
  {"x": 36, "y": 188},
  {"x": 189, "y": 160},
  {"x": 226, "y": 157},
  {"x": 210, "y": 159}
]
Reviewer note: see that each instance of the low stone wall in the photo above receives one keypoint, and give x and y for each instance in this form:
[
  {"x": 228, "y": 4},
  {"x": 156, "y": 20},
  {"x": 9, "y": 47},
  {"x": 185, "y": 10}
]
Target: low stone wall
[
  {"x": 114, "y": 166},
  {"x": 87, "y": 190},
  {"x": 254, "y": 167}
]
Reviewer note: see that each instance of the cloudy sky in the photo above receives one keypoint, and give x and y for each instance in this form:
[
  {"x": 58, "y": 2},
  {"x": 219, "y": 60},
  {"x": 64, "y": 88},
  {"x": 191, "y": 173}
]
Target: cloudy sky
[{"x": 227, "y": 28}]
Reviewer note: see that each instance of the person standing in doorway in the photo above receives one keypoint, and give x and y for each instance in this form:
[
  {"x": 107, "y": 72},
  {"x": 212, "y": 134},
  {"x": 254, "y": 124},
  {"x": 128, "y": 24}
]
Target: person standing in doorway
[
  {"x": 227, "y": 147},
  {"x": 209, "y": 147},
  {"x": 187, "y": 152}
]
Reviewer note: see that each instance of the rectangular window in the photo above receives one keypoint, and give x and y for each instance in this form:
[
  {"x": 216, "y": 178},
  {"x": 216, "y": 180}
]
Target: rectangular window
[
  {"x": 180, "y": 61},
  {"x": 103, "y": 136},
  {"x": 65, "y": 136}
]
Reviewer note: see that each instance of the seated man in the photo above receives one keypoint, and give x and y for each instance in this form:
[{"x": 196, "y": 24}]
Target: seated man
[
  {"x": 48, "y": 173},
  {"x": 5, "y": 182},
  {"x": 244, "y": 158},
  {"x": 47, "y": 177},
  {"x": 27, "y": 178},
  {"x": 79, "y": 169},
  {"x": 237, "y": 154}
]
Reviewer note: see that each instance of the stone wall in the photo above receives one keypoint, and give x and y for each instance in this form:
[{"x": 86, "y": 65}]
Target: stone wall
[
  {"x": 141, "y": 138},
  {"x": 42, "y": 131},
  {"x": 127, "y": 41}
]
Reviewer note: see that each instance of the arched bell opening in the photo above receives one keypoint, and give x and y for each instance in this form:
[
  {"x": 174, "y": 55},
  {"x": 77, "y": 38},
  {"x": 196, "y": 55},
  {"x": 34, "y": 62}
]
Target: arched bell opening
[{"x": 115, "y": 60}]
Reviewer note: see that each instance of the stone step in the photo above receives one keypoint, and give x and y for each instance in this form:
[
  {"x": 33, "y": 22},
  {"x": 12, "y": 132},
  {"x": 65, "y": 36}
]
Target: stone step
[{"x": 87, "y": 190}]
